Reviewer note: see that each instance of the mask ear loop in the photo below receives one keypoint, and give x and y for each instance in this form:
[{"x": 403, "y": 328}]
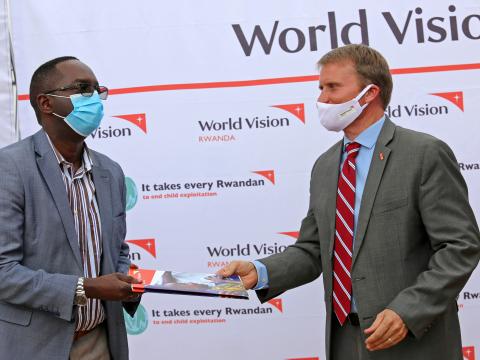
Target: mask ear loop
[
  {"x": 60, "y": 96},
  {"x": 363, "y": 92},
  {"x": 60, "y": 116}
]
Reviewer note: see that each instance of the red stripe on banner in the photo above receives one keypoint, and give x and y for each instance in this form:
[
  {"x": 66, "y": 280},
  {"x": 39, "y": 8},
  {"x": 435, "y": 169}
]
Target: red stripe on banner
[
  {"x": 271, "y": 81},
  {"x": 23, "y": 97},
  {"x": 439, "y": 68},
  {"x": 215, "y": 85}
]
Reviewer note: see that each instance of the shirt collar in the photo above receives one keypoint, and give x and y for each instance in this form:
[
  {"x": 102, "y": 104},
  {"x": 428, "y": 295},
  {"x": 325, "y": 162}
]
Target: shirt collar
[
  {"x": 368, "y": 137},
  {"x": 87, "y": 162}
]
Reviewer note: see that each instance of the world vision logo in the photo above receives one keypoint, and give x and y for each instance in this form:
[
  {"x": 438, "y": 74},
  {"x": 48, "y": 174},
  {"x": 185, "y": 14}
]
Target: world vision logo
[
  {"x": 138, "y": 323},
  {"x": 292, "y": 234},
  {"x": 132, "y": 193},
  {"x": 200, "y": 189},
  {"x": 456, "y": 98},
  {"x": 220, "y": 254},
  {"x": 450, "y": 101},
  {"x": 297, "y": 110},
  {"x": 113, "y": 126},
  {"x": 468, "y": 353},
  {"x": 277, "y": 304},
  {"x": 267, "y": 174},
  {"x": 227, "y": 130},
  {"x": 148, "y": 245},
  {"x": 411, "y": 25}
]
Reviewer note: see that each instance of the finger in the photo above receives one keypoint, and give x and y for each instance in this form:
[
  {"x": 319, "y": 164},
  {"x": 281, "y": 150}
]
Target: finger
[
  {"x": 128, "y": 279},
  {"x": 385, "y": 340},
  {"x": 250, "y": 277},
  {"x": 396, "y": 331},
  {"x": 136, "y": 279},
  {"x": 126, "y": 291},
  {"x": 394, "y": 325},
  {"x": 391, "y": 340},
  {"x": 228, "y": 270},
  {"x": 375, "y": 324},
  {"x": 379, "y": 335}
]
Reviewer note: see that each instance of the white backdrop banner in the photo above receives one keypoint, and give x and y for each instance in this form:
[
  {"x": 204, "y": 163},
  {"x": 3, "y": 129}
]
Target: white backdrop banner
[
  {"x": 8, "y": 129},
  {"x": 212, "y": 116}
]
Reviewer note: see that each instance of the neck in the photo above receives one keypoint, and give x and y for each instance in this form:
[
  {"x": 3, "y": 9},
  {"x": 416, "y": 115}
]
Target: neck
[
  {"x": 70, "y": 148},
  {"x": 365, "y": 120}
]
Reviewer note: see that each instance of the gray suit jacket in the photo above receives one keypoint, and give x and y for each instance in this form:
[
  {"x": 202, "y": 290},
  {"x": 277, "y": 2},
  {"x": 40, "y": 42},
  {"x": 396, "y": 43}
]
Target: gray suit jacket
[
  {"x": 417, "y": 242},
  {"x": 39, "y": 253}
]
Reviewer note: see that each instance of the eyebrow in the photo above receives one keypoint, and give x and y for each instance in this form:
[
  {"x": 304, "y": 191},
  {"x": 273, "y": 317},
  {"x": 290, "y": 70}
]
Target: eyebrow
[{"x": 329, "y": 83}]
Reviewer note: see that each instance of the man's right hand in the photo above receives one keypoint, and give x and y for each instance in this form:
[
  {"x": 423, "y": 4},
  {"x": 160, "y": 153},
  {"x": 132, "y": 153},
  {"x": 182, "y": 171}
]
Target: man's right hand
[
  {"x": 245, "y": 269},
  {"x": 116, "y": 287}
]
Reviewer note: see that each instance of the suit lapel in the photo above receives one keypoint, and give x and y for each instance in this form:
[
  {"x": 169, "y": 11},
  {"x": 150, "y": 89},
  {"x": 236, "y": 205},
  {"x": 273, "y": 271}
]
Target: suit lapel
[
  {"x": 380, "y": 158},
  {"x": 332, "y": 165},
  {"x": 50, "y": 170},
  {"x": 101, "y": 179}
]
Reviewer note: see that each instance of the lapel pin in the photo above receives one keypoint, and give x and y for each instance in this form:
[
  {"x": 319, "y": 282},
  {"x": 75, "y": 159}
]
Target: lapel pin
[{"x": 381, "y": 156}]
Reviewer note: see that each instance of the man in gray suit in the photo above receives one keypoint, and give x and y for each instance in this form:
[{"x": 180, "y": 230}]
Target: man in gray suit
[
  {"x": 63, "y": 257},
  {"x": 389, "y": 226}
]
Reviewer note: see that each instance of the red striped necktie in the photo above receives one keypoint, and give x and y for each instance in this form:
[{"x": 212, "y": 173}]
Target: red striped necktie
[{"x": 344, "y": 230}]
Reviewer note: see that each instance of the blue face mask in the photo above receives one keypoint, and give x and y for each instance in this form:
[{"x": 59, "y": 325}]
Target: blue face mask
[{"x": 86, "y": 115}]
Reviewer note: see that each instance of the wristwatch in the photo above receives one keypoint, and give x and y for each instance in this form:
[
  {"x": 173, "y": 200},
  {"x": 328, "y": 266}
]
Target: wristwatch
[{"x": 80, "y": 297}]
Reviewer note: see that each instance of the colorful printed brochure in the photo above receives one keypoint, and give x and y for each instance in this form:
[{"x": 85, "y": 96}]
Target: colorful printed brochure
[{"x": 183, "y": 283}]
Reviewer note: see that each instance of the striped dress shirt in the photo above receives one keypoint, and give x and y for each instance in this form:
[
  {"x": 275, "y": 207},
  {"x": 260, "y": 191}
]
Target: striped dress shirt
[{"x": 80, "y": 191}]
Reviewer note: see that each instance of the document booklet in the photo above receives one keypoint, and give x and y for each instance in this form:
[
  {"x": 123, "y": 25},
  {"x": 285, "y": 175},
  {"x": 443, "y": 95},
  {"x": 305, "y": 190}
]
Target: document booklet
[{"x": 184, "y": 283}]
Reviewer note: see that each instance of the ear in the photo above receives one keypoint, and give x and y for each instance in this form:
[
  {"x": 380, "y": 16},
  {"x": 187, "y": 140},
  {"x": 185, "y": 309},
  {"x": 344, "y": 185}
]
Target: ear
[
  {"x": 44, "y": 104},
  {"x": 372, "y": 93}
]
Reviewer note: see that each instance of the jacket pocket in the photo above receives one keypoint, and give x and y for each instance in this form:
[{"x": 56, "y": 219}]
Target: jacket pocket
[
  {"x": 390, "y": 205},
  {"x": 15, "y": 314}
]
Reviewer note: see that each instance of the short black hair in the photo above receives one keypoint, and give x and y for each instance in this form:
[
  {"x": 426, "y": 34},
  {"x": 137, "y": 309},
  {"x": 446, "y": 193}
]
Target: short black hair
[{"x": 41, "y": 79}]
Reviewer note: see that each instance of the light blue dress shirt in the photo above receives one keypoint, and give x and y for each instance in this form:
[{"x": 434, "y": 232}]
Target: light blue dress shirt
[{"x": 367, "y": 139}]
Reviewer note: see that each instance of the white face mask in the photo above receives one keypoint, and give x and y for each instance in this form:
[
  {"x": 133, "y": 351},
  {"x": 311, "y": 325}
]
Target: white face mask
[{"x": 336, "y": 117}]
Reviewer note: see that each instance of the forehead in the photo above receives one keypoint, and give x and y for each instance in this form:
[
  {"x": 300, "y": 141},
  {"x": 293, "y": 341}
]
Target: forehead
[
  {"x": 338, "y": 72},
  {"x": 74, "y": 71}
]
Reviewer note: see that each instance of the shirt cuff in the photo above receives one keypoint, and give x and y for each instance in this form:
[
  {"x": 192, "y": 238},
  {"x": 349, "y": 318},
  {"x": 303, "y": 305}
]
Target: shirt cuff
[{"x": 262, "y": 275}]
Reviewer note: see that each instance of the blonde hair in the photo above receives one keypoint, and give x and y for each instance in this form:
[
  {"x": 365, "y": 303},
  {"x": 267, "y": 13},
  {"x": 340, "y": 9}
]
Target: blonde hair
[{"x": 371, "y": 67}]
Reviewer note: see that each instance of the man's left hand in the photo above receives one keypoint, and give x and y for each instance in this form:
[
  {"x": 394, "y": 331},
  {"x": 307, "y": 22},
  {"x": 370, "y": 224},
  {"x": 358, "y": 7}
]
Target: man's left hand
[
  {"x": 387, "y": 330},
  {"x": 135, "y": 296}
]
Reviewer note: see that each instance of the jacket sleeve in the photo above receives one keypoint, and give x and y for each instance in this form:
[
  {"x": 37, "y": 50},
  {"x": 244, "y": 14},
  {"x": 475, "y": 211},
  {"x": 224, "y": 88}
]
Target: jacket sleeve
[
  {"x": 300, "y": 263},
  {"x": 297, "y": 265},
  {"x": 454, "y": 239},
  {"x": 123, "y": 259}
]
